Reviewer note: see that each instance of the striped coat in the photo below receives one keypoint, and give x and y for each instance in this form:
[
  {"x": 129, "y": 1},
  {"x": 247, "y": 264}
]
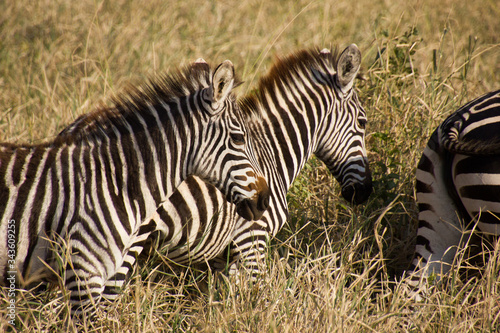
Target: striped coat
[
  {"x": 306, "y": 105},
  {"x": 458, "y": 186},
  {"x": 83, "y": 197}
]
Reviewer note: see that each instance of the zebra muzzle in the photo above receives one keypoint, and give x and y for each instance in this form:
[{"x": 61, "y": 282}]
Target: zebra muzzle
[
  {"x": 357, "y": 193},
  {"x": 253, "y": 209}
]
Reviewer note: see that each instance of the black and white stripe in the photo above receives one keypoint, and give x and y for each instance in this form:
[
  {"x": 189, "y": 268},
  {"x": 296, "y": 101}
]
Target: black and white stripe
[
  {"x": 457, "y": 186},
  {"x": 306, "y": 105},
  {"x": 88, "y": 191}
]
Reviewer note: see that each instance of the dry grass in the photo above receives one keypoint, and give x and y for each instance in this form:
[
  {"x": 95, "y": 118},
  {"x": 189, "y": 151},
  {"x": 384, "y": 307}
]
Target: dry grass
[{"x": 334, "y": 267}]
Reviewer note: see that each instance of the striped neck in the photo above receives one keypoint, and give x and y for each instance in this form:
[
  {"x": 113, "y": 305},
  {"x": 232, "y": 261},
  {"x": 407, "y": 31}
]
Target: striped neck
[{"x": 292, "y": 105}]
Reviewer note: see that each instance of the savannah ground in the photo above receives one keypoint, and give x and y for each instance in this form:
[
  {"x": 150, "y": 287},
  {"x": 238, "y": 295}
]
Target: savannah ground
[{"x": 334, "y": 267}]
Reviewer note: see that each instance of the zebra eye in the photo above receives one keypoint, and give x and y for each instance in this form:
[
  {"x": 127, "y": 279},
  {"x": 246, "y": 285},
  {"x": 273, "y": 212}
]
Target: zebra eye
[{"x": 238, "y": 138}]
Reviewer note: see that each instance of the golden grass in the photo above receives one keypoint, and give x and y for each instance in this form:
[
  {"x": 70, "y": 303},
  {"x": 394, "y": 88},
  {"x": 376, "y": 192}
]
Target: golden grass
[{"x": 333, "y": 267}]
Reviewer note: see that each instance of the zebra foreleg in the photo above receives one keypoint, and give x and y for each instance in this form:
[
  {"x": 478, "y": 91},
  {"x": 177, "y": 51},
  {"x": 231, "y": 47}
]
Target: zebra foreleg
[
  {"x": 247, "y": 255},
  {"x": 85, "y": 285},
  {"x": 115, "y": 283}
]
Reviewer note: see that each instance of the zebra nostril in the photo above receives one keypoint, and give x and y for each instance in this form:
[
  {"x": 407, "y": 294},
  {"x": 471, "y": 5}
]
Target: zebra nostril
[
  {"x": 263, "y": 202},
  {"x": 236, "y": 200}
]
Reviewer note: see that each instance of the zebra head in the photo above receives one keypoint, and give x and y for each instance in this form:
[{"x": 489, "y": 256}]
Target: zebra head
[
  {"x": 342, "y": 143},
  {"x": 223, "y": 157}
]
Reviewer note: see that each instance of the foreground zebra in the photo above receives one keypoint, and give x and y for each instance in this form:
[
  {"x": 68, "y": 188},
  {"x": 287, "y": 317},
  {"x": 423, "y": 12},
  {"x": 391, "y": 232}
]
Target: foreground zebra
[
  {"x": 306, "y": 105},
  {"x": 458, "y": 185},
  {"x": 88, "y": 192}
]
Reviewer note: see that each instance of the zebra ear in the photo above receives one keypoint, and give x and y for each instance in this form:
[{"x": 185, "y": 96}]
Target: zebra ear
[
  {"x": 222, "y": 83},
  {"x": 348, "y": 66}
]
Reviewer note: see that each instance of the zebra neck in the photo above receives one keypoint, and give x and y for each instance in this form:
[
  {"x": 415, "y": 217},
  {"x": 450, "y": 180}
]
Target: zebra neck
[{"x": 284, "y": 143}]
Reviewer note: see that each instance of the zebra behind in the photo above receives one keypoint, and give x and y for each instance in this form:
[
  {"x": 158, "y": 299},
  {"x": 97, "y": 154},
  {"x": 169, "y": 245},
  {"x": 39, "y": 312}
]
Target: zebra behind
[
  {"x": 457, "y": 187},
  {"x": 306, "y": 105},
  {"x": 87, "y": 192}
]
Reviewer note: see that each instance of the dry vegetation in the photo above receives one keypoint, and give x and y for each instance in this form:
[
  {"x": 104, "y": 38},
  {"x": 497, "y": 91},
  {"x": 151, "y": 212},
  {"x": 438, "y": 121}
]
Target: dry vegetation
[{"x": 334, "y": 267}]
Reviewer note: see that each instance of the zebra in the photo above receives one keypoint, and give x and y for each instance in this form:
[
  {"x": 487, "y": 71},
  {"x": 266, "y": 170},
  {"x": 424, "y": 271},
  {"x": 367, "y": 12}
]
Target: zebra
[
  {"x": 306, "y": 105},
  {"x": 457, "y": 188},
  {"x": 88, "y": 191}
]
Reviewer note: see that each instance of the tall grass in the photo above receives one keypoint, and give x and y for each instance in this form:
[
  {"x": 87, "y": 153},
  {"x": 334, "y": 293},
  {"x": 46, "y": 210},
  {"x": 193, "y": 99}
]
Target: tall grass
[{"x": 334, "y": 267}]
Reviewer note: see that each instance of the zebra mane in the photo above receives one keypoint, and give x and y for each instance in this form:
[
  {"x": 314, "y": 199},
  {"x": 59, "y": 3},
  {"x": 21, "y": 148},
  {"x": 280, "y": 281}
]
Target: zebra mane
[
  {"x": 160, "y": 89},
  {"x": 288, "y": 68}
]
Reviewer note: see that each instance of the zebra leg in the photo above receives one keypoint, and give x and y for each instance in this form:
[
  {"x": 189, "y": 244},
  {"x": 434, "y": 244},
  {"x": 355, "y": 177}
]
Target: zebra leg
[
  {"x": 247, "y": 250},
  {"x": 114, "y": 284},
  {"x": 117, "y": 281},
  {"x": 84, "y": 283},
  {"x": 439, "y": 229}
]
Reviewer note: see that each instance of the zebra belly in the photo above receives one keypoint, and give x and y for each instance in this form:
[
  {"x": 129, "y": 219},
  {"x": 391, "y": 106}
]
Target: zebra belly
[{"x": 477, "y": 183}]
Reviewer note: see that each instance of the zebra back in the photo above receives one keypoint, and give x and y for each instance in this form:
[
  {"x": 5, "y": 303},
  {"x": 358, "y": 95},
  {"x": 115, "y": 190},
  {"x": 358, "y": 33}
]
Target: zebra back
[{"x": 474, "y": 129}]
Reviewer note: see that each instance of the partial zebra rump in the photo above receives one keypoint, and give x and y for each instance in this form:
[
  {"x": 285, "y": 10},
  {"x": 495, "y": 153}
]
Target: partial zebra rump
[
  {"x": 160, "y": 89},
  {"x": 474, "y": 129},
  {"x": 457, "y": 188}
]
